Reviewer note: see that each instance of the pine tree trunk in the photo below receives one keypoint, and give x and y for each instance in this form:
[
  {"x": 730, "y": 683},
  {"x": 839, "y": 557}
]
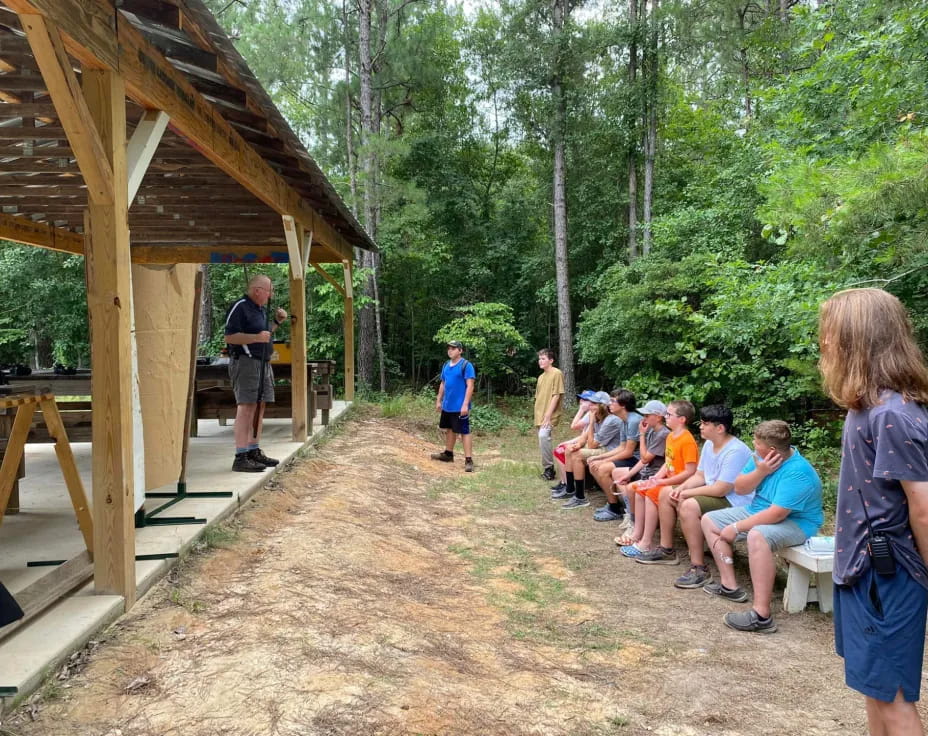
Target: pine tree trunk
[
  {"x": 367, "y": 337},
  {"x": 652, "y": 80},
  {"x": 565, "y": 320},
  {"x": 349, "y": 116},
  {"x": 205, "y": 327},
  {"x": 632, "y": 153}
]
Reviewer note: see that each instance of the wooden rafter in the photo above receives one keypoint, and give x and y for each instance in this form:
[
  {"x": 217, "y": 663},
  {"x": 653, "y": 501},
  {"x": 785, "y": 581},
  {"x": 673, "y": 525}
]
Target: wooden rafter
[{"x": 50, "y": 54}]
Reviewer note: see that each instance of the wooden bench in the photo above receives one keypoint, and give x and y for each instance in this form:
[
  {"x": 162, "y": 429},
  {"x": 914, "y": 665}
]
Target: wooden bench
[{"x": 802, "y": 565}]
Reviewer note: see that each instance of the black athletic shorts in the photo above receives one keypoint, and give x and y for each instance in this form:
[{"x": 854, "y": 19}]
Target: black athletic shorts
[{"x": 455, "y": 422}]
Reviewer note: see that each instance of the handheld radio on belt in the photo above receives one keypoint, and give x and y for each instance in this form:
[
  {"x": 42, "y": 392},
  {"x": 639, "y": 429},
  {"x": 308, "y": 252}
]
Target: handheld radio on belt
[{"x": 262, "y": 373}]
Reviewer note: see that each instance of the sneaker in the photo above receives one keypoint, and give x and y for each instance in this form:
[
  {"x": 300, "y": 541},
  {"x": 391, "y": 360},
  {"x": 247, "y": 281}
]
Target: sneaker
[
  {"x": 548, "y": 473},
  {"x": 750, "y": 621},
  {"x": 259, "y": 457},
  {"x": 738, "y": 595},
  {"x": 559, "y": 486},
  {"x": 631, "y": 551},
  {"x": 561, "y": 493},
  {"x": 658, "y": 556},
  {"x": 442, "y": 457},
  {"x": 468, "y": 465},
  {"x": 606, "y": 514},
  {"x": 695, "y": 577},
  {"x": 576, "y": 503},
  {"x": 244, "y": 464}
]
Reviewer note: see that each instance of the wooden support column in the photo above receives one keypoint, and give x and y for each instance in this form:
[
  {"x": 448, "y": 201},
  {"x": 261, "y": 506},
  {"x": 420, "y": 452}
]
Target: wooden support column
[
  {"x": 109, "y": 302},
  {"x": 349, "y": 331},
  {"x": 298, "y": 372}
]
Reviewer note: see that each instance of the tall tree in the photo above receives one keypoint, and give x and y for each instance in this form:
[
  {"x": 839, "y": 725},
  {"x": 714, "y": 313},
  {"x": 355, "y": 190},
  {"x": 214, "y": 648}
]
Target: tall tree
[
  {"x": 560, "y": 11},
  {"x": 651, "y": 102},
  {"x": 633, "y": 26}
]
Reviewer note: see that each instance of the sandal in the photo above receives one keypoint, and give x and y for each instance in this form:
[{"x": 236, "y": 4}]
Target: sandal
[{"x": 625, "y": 540}]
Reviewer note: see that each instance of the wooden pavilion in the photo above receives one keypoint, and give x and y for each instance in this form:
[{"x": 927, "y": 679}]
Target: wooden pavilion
[{"x": 132, "y": 132}]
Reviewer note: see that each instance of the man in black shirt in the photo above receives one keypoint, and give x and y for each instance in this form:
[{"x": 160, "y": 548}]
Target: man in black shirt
[{"x": 248, "y": 336}]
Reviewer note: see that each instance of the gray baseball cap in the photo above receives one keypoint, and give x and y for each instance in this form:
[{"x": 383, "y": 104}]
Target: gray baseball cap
[
  {"x": 601, "y": 397},
  {"x": 654, "y": 407}
]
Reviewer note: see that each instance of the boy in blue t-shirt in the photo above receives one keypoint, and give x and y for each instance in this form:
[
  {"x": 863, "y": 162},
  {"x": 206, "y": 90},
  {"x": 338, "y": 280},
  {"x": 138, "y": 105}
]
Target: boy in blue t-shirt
[
  {"x": 786, "y": 510},
  {"x": 453, "y": 402}
]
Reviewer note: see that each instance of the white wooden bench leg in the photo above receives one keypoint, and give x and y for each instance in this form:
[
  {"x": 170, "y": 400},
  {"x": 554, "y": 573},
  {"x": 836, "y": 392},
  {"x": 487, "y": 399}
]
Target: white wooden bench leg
[
  {"x": 796, "y": 594},
  {"x": 825, "y": 591}
]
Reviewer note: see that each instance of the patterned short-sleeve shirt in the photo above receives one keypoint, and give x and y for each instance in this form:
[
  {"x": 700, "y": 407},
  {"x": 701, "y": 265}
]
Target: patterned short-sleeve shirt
[{"x": 881, "y": 446}]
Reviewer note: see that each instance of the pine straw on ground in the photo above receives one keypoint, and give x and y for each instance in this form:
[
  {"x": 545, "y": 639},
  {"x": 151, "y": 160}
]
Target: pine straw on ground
[{"x": 374, "y": 592}]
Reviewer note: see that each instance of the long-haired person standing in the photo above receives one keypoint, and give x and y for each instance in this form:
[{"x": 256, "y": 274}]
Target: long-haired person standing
[{"x": 872, "y": 366}]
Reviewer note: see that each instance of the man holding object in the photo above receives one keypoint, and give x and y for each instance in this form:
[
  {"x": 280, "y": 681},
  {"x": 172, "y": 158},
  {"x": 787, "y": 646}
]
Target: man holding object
[{"x": 248, "y": 336}]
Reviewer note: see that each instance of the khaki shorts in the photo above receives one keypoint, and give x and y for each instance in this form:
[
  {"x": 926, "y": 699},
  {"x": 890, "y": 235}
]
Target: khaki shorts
[
  {"x": 586, "y": 453},
  {"x": 711, "y": 503}
]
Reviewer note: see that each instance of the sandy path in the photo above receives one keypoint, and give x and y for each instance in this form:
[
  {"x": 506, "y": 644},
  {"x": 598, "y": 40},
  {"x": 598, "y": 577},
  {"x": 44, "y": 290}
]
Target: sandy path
[{"x": 357, "y": 599}]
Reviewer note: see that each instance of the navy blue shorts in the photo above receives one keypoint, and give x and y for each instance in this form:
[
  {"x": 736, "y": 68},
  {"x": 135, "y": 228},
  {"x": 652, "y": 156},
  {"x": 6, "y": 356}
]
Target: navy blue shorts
[
  {"x": 455, "y": 422},
  {"x": 880, "y": 632}
]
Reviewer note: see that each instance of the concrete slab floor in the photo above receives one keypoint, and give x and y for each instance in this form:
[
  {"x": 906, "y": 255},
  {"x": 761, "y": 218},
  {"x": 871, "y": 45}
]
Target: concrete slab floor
[{"x": 46, "y": 529}]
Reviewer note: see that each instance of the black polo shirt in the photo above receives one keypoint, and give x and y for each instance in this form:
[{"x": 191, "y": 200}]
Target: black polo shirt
[{"x": 247, "y": 317}]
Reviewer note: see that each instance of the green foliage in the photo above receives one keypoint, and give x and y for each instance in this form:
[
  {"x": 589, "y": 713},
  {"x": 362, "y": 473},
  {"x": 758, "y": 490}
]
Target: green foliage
[
  {"x": 488, "y": 334},
  {"x": 710, "y": 330},
  {"x": 44, "y": 308}
]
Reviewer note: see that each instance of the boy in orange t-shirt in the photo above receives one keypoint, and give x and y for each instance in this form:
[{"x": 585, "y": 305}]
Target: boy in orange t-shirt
[{"x": 682, "y": 456}]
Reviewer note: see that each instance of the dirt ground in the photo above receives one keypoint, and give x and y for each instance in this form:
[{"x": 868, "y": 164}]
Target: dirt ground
[{"x": 371, "y": 591}]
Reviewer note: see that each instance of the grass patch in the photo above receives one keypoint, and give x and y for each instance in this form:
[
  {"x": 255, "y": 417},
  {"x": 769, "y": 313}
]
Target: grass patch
[{"x": 217, "y": 536}]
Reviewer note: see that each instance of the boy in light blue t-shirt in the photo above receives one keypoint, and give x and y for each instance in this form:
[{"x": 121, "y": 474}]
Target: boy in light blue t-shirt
[{"x": 786, "y": 510}]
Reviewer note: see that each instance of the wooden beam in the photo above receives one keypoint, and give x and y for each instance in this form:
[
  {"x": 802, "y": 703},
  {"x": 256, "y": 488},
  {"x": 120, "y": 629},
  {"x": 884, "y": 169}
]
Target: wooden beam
[
  {"x": 221, "y": 253},
  {"x": 349, "y": 330},
  {"x": 154, "y": 83},
  {"x": 293, "y": 247},
  {"x": 142, "y": 146},
  {"x": 72, "y": 478},
  {"x": 307, "y": 246},
  {"x": 24, "y": 230},
  {"x": 90, "y": 34},
  {"x": 65, "y": 91},
  {"x": 109, "y": 302},
  {"x": 49, "y": 589},
  {"x": 298, "y": 371}
]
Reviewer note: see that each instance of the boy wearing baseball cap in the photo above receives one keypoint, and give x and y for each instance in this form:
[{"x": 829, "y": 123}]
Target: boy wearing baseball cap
[{"x": 453, "y": 403}]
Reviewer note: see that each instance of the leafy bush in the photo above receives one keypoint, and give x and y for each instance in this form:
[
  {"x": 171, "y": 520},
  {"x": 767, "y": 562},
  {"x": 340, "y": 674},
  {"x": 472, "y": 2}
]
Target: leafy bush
[
  {"x": 488, "y": 334},
  {"x": 486, "y": 419}
]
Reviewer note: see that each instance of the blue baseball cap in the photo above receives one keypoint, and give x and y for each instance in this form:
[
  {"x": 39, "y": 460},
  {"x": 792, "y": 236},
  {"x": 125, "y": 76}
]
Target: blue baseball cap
[{"x": 587, "y": 395}]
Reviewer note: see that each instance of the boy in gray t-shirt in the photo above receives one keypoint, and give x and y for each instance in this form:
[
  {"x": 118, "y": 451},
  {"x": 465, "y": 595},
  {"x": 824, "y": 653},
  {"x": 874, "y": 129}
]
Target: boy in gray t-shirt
[{"x": 649, "y": 457}]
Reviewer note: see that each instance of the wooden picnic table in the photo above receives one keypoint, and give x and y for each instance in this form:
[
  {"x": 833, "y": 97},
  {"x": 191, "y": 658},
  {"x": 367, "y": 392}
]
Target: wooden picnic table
[{"x": 214, "y": 398}]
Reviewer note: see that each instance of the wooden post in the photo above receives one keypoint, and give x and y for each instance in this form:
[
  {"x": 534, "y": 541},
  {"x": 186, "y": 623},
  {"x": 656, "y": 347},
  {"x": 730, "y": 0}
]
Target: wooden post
[
  {"x": 109, "y": 301},
  {"x": 298, "y": 343},
  {"x": 349, "y": 331}
]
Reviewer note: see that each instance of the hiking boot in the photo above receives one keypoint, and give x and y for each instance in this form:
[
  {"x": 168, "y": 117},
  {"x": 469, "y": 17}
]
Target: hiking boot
[
  {"x": 559, "y": 486},
  {"x": 548, "y": 473},
  {"x": 658, "y": 556},
  {"x": 750, "y": 621},
  {"x": 695, "y": 577},
  {"x": 576, "y": 503},
  {"x": 738, "y": 595},
  {"x": 444, "y": 457},
  {"x": 468, "y": 465},
  {"x": 606, "y": 514},
  {"x": 244, "y": 464},
  {"x": 561, "y": 493},
  {"x": 259, "y": 457}
]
